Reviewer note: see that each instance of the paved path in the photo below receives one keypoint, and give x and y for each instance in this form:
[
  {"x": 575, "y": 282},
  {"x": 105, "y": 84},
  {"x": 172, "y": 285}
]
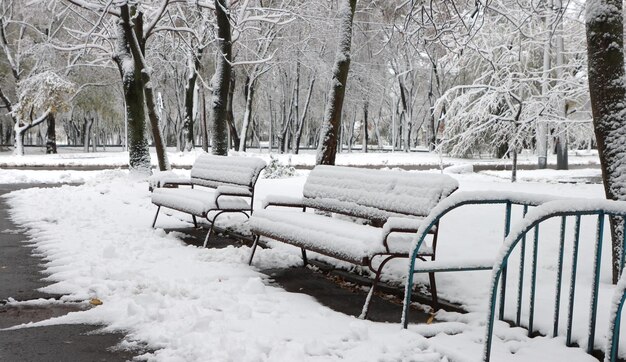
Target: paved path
[{"x": 20, "y": 277}]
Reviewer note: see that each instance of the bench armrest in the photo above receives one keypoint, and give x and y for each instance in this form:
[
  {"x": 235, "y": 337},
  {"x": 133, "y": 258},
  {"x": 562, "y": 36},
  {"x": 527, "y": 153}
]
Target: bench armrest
[
  {"x": 226, "y": 190},
  {"x": 286, "y": 201},
  {"x": 176, "y": 182},
  {"x": 402, "y": 225},
  {"x": 167, "y": 179}
]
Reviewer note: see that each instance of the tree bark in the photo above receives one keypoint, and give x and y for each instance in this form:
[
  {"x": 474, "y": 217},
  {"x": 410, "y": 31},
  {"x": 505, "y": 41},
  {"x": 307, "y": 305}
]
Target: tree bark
[
  {"x": 327, "y": 148},
  {"x": 51, "y": 136},
  {"x": 605, "y": 53},
  {"x": 221, "y": 82}
]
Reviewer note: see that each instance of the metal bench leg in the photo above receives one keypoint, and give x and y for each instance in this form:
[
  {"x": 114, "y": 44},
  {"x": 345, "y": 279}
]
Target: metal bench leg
[
  {"x": 208, "y": 235},
  {"x": 304, "y": 258},
  {"x": 433, "y": 290},
  {"x": 195, "y": 222},
  {"x": 155, "y": 216},
  {"x": 368, "y": 299},
  {"x": 254, "y": 245}
]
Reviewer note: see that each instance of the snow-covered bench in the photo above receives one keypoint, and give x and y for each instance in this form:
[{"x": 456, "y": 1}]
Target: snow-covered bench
[
  {"x": 227, "y": 186},
  {"x": 391, "y": 204}
]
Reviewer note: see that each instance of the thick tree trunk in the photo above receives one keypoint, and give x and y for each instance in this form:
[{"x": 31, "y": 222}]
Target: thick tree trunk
[
  {"x": 221, "y": 82},
  {"x": 138, "y": 151},
  {"x": 132, "y": 24},
  {"x": 327, "y": 148},
  {"x": 51, "y": 136},
  {"x": 605, "y": 53}
]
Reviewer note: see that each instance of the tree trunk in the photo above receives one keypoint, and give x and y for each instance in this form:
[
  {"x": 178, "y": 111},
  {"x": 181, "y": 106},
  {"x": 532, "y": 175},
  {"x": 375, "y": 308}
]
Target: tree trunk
[
  {"x": 19, "y": 139},
  {"x": 327, "y": 148},
  {"x": 303, "y": 116},
  {"x": 561, "y": 142},
  {"x": 605, "y": 53},
  {"x": 138, "y": 151},
  {"x": 190, "y": 87},
  {"x": 87, "y": 133},
  {"x": 205, "y": 134},
  {"x": 542, "y": 126},
  {"x": 51, "y": 136},
  {"x": 247, "y": 114},
  {"x": 221, "y": 82},
  {"x": 365, "y": 136},
  {"x": 406, "y": 117},
  {"x": 132, "y": 23}
]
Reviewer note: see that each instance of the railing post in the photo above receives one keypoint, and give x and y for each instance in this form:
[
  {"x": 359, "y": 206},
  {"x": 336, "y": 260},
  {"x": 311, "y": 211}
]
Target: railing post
[
  {"x": 507, "y": 229},
  {"x": 572, "y": 286},
  {"x": 533, "y": 282},
  {"x": 596, "y": 281},
  {"x": 559, "y": 278},
  {"x": 520, "y": 280}
]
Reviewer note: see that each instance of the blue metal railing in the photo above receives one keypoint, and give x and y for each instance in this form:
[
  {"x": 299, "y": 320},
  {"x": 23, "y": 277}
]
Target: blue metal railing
[
  {"x": 560, "y": 209},
  {"x": 456, "y": 200}
]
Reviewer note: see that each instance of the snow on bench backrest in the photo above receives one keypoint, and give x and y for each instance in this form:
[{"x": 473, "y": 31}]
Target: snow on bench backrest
[
  {"x": 375, "y": 194},
  {"x": 213, "y": 171}
]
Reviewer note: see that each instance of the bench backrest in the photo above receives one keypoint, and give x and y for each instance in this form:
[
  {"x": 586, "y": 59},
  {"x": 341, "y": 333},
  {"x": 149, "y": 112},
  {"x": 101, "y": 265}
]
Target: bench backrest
[
  {"x": 375, "y": 195},
  {"x": 214, "y": 171}
]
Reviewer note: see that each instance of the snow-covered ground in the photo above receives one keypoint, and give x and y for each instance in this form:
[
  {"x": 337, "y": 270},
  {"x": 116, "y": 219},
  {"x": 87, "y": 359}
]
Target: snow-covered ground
[
  {"x": 194, "y": 304},
  {"x": 114, "y": 157}
]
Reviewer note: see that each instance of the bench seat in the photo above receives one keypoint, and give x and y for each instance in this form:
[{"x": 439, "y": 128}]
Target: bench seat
[
  {"x": 197, "y": 202},
  {"x": 342, "y": 239}
]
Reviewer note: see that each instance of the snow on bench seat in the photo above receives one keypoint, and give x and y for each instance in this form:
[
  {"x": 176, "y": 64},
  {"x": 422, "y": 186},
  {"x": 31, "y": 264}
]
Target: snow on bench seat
[
  {"x": 340, "y": 238},
  {"x": 196, "y": 202}
]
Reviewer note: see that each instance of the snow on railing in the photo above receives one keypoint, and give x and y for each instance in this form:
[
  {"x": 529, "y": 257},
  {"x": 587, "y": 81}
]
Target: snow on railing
[{"x": 561, "y": 209}]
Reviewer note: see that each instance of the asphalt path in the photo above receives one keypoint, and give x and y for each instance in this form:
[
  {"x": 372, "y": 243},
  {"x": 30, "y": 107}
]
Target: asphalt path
[{"x": 20, "y": 278}]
